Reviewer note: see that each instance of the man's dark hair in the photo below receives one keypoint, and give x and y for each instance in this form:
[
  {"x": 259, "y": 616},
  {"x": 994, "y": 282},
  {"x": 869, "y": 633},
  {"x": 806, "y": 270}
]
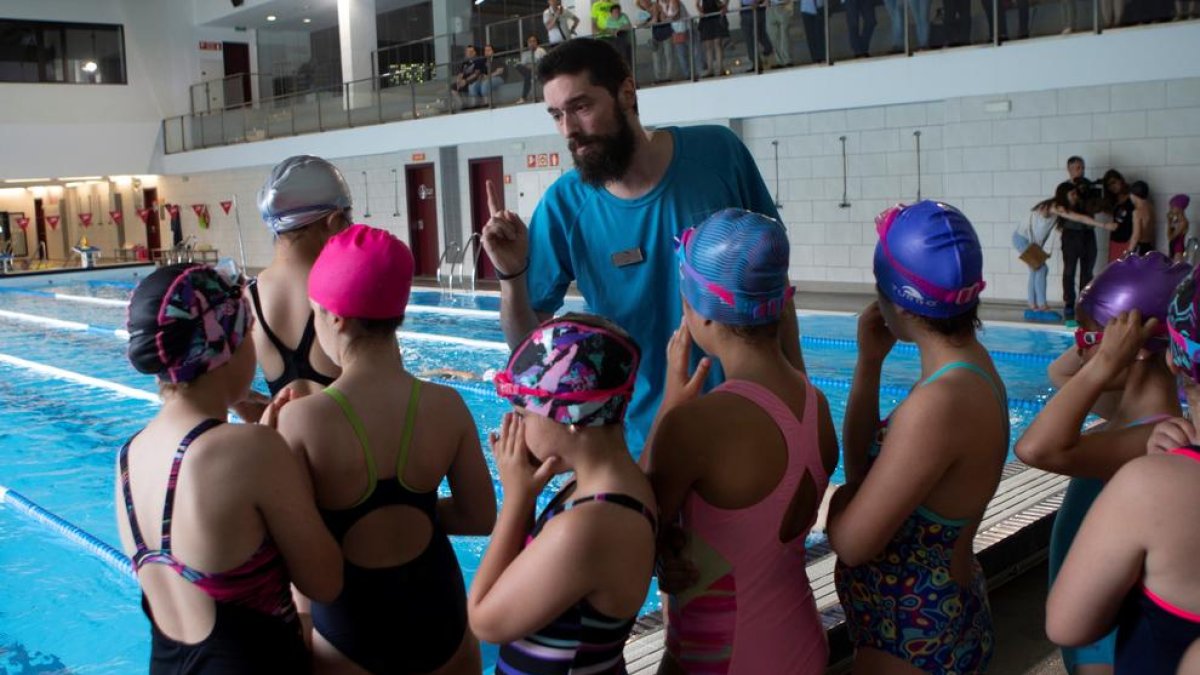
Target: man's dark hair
[
  {"x": 1073, "y": 159},
  {"x": 1140, "y": 189},
  {"x": 602, "y": 62}
]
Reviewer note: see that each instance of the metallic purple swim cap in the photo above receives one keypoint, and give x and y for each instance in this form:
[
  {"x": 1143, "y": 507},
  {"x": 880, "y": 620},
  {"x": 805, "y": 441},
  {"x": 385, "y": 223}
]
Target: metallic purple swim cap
[{"x": 1142, "y": 282}]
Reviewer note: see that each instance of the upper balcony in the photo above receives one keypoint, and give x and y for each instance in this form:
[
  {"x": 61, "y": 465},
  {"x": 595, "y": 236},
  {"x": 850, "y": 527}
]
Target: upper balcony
[{"x": 414, "y": 80}]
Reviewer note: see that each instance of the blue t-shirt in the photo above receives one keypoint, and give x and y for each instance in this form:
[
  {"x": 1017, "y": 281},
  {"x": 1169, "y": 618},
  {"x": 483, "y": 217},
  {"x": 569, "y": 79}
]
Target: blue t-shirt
[{"x": 577, "y": 230}]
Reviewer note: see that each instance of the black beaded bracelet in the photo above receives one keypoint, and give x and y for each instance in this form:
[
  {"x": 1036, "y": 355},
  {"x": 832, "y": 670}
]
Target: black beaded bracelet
[{"x": 509, "y": 277}]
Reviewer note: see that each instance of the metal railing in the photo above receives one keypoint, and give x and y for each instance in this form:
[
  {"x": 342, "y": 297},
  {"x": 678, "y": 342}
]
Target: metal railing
[
  {"x": 511, "y": 33},
  {"x": 771, "y": 36}
]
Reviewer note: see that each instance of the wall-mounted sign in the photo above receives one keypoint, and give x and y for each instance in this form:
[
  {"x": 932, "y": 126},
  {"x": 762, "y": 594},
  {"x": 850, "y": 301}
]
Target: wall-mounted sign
[
  {"x": 508, "y": 179},
  {"x": 418, "y": 157},
  {"x": 541, "y": 161},
  {"x": 210, "y": 46},
  {"x": 52, "y": 221}
]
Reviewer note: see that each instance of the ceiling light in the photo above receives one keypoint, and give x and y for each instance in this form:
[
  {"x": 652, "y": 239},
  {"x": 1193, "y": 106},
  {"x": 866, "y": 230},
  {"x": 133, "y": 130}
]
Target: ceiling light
[
  {"x": 308, "y": 21},
  {"x": 90, "y": 67},
  {"x": 270, "y": 17},
  {"x": 27, "y": 180},
  {"x": 81, "y": 178}
]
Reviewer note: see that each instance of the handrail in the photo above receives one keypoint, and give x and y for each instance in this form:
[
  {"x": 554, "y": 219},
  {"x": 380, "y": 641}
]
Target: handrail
[
  {"x": 519, "y": 20},
  {"x": 477, "y": 242},
  {"x": 451, "y": 249}
]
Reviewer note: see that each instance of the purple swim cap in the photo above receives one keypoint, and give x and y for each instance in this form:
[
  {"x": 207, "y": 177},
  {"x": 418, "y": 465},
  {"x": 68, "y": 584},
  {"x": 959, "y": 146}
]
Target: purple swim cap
[
  {"x": 928, "y": 259},
  {"x": 1180, "y": 202},
  {"x": 575, "y": 369},
  {"x": 1142, "y": 282},
  {"x": 1183, "y": 325},
  {"x": 733, "y": 268}
]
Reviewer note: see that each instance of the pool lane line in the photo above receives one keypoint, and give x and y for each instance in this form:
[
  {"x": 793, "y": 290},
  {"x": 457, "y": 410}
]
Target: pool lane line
[
  {"x": 1028, "y": 405},
  {"x": 79, "y": 378},
  {"x": 806, "y": 341},
  {"x": 124, "y": 334},
  {"x": 73, "y": 533}
]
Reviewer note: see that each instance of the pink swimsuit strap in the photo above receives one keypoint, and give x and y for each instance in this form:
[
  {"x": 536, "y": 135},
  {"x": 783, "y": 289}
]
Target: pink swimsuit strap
[{"x": 792, "y": 428}]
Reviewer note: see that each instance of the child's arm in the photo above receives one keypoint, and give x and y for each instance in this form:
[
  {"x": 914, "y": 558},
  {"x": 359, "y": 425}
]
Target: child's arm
[
  {"x": 471, "y": 507},
  {"x": 518, "y": 591},
  {"x": 861, "y": 423},
  {"x": 1082, "y": 218},
  {"x": 1053, "y": 442},
  {"x": 1105, "y": 560}
]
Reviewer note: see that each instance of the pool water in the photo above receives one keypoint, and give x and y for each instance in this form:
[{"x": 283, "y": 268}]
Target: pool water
[{"x": 61, "y": 608}]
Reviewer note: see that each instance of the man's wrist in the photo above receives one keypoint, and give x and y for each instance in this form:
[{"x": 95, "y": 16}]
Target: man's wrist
[{"x": 503, "y": 276}]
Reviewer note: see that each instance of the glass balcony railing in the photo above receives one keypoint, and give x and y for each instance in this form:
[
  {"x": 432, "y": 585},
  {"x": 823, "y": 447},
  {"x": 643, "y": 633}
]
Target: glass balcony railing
[{"x": 413, "y": 82}]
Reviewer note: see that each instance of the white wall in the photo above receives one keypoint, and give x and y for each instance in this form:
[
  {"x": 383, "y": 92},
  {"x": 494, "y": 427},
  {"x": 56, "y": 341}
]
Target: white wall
[
  {"x": 72, "y": 130},
  {"x": 993, "y": 165}
]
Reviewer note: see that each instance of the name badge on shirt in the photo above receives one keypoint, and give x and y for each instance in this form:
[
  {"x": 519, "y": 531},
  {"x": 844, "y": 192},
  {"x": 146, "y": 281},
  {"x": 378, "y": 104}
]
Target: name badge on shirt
[{"x": 630, "y": 256}]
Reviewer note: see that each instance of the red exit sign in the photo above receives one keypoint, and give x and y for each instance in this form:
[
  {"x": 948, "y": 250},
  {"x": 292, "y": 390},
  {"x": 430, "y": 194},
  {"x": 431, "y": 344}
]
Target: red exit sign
[{"x": 210, "y": 46}]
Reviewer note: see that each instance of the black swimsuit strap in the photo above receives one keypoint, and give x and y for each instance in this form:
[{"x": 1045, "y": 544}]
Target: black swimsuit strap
[
  {"x": 616, "y": 498},
  {"x": 262, "y": 320}
]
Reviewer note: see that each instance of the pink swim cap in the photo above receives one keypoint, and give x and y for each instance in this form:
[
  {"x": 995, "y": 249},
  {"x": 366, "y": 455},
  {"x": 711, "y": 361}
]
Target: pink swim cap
[
  {"x": 362, "y": 273},
  {"x": 1180, "y": 202}
]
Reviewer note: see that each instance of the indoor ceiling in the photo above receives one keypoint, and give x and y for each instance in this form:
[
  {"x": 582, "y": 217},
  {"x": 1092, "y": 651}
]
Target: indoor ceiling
[{"x": 290, "y": 15}]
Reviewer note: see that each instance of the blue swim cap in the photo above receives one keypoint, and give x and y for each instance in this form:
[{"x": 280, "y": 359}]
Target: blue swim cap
[
  {"x": 733, "y": 268},
  {"x": 928, "y": 259}
]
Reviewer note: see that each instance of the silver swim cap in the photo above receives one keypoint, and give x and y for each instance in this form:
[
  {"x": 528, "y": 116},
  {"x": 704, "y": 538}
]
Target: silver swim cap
[{"x": 300, "y": 190}]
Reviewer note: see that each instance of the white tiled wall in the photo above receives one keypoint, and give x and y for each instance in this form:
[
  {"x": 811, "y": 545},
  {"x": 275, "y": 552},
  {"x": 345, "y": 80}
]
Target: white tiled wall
[{"x": 992, "y": 165}]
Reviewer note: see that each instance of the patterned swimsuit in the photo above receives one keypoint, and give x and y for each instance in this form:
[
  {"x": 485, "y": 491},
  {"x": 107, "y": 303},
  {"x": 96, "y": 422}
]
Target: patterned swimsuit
[{"x": 906, "y": 603}]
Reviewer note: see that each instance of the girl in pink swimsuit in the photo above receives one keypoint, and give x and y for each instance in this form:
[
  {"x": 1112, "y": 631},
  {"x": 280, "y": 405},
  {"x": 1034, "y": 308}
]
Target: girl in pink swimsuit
[{"x": 743, "y": 468}]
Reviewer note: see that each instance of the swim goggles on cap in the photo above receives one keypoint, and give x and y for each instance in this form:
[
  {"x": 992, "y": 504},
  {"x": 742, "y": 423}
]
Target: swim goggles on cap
[
  {"x": 1086, "y": 339},
  {"x": 746, "y": 306},
  {"x": 962, "y": 296},
  {"x": 507, "y": 388}
]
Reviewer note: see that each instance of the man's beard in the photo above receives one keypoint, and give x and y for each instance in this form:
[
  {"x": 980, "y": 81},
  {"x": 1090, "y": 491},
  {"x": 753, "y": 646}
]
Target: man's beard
[{"x": 609, "y": 157}]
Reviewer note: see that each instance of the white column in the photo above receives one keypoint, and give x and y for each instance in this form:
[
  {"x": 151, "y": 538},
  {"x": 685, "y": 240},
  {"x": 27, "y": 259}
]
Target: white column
[
  {"x": 358, "y": 39},
  {"x": 452, "y": 24}
]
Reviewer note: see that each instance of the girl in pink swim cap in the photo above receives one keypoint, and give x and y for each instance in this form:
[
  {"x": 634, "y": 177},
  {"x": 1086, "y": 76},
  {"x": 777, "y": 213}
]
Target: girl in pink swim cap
[{"x": 379, "y": 442}]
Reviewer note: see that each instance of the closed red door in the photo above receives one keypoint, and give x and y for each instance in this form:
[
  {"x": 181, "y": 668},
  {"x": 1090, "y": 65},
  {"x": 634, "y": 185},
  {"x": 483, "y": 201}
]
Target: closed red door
[
  {"x": 150, "y": 201},
  {"x": 422, "y": 218},
  {"x": 481, "y": 171},
  {"x": 39, "y": 217}
]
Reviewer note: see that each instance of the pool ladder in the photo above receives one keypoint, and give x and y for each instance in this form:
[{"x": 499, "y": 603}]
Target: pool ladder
[{"x": 456, "y": 257}]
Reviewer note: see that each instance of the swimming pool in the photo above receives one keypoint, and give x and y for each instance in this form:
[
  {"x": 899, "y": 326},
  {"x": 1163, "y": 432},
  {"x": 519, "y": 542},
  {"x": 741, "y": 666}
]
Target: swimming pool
[{"x": 62, "y": 608}]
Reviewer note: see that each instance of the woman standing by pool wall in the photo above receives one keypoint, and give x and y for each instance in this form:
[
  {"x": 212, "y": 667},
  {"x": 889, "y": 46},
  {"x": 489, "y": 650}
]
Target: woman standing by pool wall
[
  {"x": 917, "y": 484},
  {"x": 1117, "y": 351},
  {"x": 379, "y": 443},
  {"x": 233, "y": 524}
]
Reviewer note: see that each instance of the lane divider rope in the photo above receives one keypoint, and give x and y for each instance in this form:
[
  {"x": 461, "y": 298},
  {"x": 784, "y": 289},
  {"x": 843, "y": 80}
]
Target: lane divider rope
[{"x": 73, "y": 533}]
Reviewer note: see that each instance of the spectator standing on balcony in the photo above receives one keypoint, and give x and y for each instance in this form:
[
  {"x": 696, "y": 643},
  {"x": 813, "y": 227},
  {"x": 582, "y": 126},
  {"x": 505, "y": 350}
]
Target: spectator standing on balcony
[
  {"x": 754, "y": 28},
  {"x": 860, "y": 23},
  {"x": 530, "y": 57},
  {"x": 957, "y": 22},
  {"x": 714, "y": 30},
  {"x": 779, "y": 23},
  {"x": 919, "y": 9},
  {"x": 683, "y": 36},
  {"x": 662, "y": 38},
  {"x": 812, "y": 13},
  {"x": 1112, "y": 11},
  {"x": 560, "y": 22}
]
